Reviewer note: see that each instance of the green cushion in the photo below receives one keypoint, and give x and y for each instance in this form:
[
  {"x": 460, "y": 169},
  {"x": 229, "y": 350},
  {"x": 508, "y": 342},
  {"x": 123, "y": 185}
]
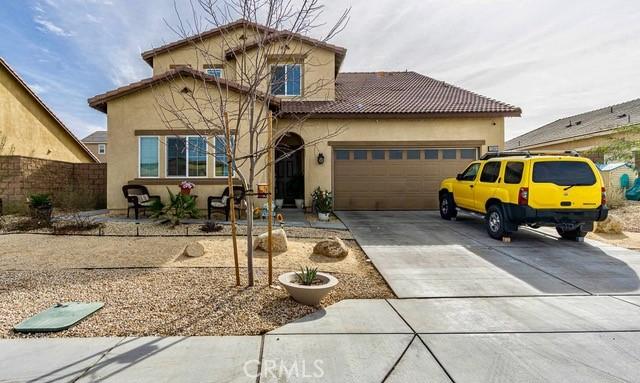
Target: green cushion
[{"x": 59, "y": 317}]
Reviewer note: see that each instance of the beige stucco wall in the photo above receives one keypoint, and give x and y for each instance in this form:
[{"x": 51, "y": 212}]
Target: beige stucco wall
[
  {"x": 138, "y": 111},
  {"x": 30, "y": 129},
  {"x": 491, "y": 130}
]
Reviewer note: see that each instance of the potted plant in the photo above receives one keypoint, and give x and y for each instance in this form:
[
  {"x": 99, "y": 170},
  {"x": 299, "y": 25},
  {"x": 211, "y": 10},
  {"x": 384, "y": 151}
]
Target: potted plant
[
  {"x": 308, "y": 286},
  {"x": 40, "y": 207},
  {"x": 279, "y": 202},
  {"x": 186, "y": 187},
  {"x": 323, "y": 203}
]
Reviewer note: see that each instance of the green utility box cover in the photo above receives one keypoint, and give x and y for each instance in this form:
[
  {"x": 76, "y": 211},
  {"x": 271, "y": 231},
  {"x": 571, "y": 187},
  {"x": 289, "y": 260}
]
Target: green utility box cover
[{"x": 59, "y": 317}]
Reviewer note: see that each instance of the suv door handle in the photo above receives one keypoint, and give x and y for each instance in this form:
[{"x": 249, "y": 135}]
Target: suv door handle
[{"x": 471, "y": 186}]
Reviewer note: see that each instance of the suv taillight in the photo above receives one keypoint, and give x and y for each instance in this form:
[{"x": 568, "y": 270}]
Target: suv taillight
[
  {"x": 603, "y": 197},
  {"x": 523, "y": 196}
]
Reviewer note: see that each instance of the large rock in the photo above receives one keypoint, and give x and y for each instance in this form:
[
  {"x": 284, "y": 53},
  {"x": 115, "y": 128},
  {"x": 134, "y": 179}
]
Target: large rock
[
  {"x": 611, "y": 225},
  {"x": 332, "y": 247},
  {"x": 194, "y": 249},
  {"x": 279, "y": 241}
]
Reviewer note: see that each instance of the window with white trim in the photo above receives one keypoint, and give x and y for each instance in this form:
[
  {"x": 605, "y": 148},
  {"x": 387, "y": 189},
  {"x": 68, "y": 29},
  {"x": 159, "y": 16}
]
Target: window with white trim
[
  {"x": 148, "y": 157},
  {"x": 216, "y": 72},
  {"x": 286, "y": 80},
  {"x": 102, "y": 148},
  {"x": 186, "y": 156},
  {"x": 221, "y": 165}
]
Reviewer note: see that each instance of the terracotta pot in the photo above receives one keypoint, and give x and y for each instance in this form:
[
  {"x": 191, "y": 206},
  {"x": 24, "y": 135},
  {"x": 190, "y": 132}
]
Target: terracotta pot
[
  {"x": 185, "y": 191},
  {"x": 308, "y": 295}
]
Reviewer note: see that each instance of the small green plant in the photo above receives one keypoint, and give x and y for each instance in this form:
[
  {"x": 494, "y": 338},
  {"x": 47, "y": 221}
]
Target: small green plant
[
  {"x": 322, "y": 200},
  {"x": 210, "y": 227},
  {"x": 39, "y": 200},
  {"x": 181, "y": 206},
  {"x": 307, "y": 275}
]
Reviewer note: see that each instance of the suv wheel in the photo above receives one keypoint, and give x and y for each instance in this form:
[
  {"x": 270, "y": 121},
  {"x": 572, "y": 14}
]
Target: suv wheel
[
  {"x": 496, "y": 222},
  {"x": 447, "y": 206},
  {"x": 571, "y": 235}
]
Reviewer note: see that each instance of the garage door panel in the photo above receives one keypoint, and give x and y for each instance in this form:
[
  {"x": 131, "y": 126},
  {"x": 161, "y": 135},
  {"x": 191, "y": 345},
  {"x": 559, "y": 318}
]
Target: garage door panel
[{"x": 410, "y": 183}]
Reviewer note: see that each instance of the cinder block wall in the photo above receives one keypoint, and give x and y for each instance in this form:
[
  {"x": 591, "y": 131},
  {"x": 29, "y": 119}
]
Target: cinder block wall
[{"x": 72, "y": 185}]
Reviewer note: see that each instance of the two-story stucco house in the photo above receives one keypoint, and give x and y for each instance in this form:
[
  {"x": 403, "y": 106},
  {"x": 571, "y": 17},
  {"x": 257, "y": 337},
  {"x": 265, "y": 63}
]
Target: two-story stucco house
[{"x": 400, "y": 132}]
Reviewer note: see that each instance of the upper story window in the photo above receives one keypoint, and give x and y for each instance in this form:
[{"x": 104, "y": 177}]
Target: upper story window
[
  {"x": 214, "y": 70},
  {"x": 186, "y": 156},
  {"x": 286, "y": 80},
  {"x": 102, "y": 148}
]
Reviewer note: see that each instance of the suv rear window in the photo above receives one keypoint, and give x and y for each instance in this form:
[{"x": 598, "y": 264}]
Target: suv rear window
[{"x": 563, "y": 173}]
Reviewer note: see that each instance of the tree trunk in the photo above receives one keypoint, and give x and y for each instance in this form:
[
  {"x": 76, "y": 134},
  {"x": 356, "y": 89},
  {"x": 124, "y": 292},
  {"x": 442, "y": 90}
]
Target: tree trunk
[{"x": 250, "y": 240}]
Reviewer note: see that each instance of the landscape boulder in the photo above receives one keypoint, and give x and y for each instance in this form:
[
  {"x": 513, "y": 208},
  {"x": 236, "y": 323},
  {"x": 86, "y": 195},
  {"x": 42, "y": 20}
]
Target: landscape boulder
[
  {"x": 611, "y": 225},
  {"x": 194, "y": 249},
  {"x": 332, "y": 247},
  {"x": 279, "y": 241}
]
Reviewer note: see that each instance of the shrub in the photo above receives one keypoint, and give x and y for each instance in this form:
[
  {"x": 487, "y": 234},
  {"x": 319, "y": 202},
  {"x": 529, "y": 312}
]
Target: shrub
[
  {"x": 180, "y": 207},
  {"x": 76, "y": 223},
  {"x": 322, "y": 200},
  {"x": 39, "y": 200},
  {"x": 616, "y": 198},
  {"x": 210, "y": 227}
]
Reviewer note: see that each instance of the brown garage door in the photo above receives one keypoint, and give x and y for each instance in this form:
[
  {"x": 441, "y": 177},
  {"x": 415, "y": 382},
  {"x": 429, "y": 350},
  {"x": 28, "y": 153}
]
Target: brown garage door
[{"x": 394, "y": 178}]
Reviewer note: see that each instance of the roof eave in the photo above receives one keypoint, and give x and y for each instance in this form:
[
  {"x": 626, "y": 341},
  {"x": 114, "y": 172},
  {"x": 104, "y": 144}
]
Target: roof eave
[{"x": 397, "y": 115}]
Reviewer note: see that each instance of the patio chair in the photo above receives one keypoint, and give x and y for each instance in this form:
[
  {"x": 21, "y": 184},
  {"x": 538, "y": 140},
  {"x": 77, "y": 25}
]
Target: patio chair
[
  {"x": 138, "y": 199},
  {"x": 223, "y": 203}
]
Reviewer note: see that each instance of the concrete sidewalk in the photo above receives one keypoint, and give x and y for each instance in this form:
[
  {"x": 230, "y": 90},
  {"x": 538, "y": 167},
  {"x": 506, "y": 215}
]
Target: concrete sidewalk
[{"x": 528, "y": 339}]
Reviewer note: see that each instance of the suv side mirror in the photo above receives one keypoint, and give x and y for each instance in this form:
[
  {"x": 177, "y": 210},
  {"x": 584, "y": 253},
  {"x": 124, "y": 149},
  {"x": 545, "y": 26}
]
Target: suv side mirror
[{"x": 459, "y": 176}]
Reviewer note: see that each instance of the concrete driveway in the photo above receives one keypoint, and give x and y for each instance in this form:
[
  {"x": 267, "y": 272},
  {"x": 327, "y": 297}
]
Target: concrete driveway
[{"x": 423, "y": 256}]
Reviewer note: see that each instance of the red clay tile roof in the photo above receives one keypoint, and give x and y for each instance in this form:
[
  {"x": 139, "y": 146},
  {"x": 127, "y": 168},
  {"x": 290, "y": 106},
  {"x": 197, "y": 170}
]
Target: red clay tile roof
[
  {"x": 15, "y": 75},
  {"x": 148, "y": 55},
  {"x": 99, "y": 102},
  {"x": 390, "y": 93}
]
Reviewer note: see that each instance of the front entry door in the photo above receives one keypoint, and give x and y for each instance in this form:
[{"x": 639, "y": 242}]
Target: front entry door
[{"x": 289, "y": 177}]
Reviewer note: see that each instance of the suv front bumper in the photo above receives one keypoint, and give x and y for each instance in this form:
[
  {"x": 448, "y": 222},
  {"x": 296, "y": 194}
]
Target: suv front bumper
[{"x": 528, "y": 215}]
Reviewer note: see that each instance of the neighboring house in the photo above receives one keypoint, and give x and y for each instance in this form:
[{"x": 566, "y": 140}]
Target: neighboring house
[
  {"x": 404, "y": 132},
  {"x": 96, "y": 142},
  {"x": 581, "y": 132},
  {"x": 30, "y": 127}
]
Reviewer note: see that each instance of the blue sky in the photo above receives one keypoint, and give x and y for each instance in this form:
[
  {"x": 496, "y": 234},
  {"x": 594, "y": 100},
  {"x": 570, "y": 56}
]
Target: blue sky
[{"x": 552, "y": 58}]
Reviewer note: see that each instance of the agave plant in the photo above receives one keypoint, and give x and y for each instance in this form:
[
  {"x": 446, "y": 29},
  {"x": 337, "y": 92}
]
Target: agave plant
[{"x": 307, "y": 275}]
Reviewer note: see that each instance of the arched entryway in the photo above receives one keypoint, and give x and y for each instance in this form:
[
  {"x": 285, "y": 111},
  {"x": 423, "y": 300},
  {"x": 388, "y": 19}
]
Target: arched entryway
[{"x": 289, "y": 169}]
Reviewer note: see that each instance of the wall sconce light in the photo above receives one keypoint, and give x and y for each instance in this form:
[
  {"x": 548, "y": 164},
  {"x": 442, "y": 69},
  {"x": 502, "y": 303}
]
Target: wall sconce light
[{"x": 320, "y": 159}]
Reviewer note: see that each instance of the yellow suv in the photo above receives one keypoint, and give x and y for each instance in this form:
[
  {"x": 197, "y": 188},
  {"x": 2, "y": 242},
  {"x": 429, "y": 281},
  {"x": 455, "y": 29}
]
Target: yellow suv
[{"x": 523, "y": 188}]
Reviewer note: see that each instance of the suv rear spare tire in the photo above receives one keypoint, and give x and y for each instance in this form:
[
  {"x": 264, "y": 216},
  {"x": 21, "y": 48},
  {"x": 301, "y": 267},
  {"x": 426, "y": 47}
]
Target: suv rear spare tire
[
  {"x": 496, "y": 222},
  {"x": 447, "y": 206}
]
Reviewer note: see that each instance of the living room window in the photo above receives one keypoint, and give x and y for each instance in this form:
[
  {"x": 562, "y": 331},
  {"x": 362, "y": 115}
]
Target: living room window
[
  {"x": 187, "y": 156},
  {"x": 148, "y": 157},
  {"x": 102, "y": 148},
  {"x": 286, "y": 80},
  {"x": 221, "y": 166}
]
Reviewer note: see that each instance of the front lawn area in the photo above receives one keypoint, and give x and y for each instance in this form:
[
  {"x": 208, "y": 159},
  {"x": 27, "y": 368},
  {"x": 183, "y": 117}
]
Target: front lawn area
[{"x": 150, "y": 288}]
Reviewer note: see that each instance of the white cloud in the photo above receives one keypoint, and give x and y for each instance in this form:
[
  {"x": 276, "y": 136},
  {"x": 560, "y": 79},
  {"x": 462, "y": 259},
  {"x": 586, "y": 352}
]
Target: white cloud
[{"x": 48, "y": 26}]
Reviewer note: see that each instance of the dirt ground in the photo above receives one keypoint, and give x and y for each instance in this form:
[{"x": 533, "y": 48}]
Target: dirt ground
[
  {"x": 630, "y": 215},
  {"x": 150, "y": 288}
]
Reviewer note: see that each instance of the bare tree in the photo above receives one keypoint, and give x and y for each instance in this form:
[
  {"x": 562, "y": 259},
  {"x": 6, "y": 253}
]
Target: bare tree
[{"x": 272, "y": 32}]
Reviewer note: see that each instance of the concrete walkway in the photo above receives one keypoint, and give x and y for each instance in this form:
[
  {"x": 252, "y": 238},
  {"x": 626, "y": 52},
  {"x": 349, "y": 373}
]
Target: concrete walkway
[{"x": 527, "y": 339}]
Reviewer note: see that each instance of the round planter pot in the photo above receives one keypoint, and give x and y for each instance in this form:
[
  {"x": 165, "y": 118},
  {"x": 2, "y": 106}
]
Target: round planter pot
[
  {"x": 323, "y": 216},
  {"x": 308, "y": 295},
  {"x": 279, "y": 202},
  {"x": 299, "y": 203},
  {"x": 42, "y": 212},
  {"x": 185, "y": 191}
]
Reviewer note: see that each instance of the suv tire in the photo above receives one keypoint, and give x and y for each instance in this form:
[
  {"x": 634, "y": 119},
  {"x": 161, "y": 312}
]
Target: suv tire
[
  {"x": 447, "y": 206},
  {"x": 571, "y": 235},
  {"x": 496, "y": 222}
]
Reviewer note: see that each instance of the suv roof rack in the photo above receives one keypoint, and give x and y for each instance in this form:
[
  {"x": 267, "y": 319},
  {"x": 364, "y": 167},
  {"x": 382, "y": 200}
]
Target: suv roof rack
[{"x": 490, "y": 155}]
